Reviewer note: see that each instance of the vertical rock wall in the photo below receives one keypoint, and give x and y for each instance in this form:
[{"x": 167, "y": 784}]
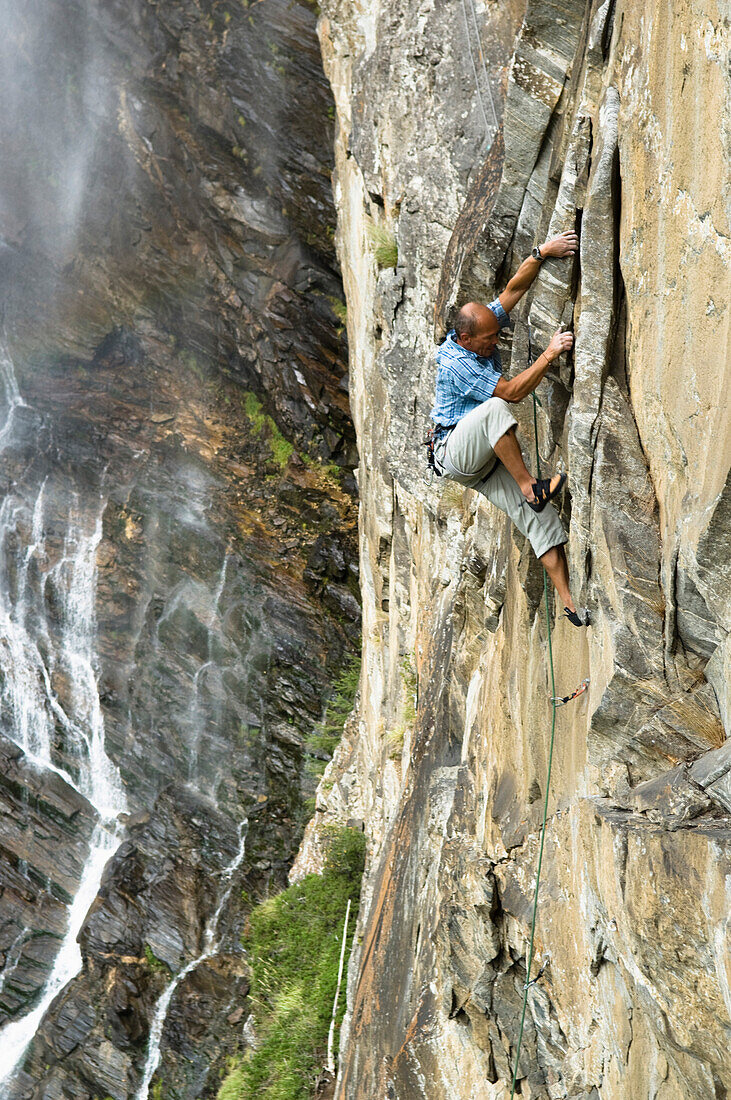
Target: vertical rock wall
[{"x": 614, "y": 118}]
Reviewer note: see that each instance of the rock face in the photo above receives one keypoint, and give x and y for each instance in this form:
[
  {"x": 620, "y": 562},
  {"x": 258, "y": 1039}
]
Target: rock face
[
  {"x": 178, "y": 582},
  {"x": 446, "y": 760},
  {"x": 150, "y": 918}
]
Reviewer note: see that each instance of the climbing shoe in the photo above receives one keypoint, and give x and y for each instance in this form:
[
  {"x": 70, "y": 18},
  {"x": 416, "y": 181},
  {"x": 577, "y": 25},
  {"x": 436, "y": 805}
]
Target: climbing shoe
[
  {"x": 542, "y": 492},
  {"x": 575, "y": 619}
]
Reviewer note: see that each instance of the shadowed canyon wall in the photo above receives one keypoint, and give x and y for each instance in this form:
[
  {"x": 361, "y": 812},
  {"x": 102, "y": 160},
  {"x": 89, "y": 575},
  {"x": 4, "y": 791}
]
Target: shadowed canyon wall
[
  {"x": 178, "y": 578},
  {"x": 611, "y": 118}
]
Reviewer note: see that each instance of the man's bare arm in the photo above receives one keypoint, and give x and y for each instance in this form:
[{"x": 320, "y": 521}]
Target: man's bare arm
[
  {"x": 515, "y": 389},
  {"x": 565, "y": 244}
]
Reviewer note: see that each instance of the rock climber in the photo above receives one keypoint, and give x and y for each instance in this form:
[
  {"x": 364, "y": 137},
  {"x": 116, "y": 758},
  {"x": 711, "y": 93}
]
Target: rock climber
[{"x": 474, "y": 428}]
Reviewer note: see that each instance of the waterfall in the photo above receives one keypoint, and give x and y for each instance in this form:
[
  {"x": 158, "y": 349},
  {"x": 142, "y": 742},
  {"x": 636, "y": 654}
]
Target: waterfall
[
  {"x": 17, "y": 1035},
  {"x": 39, "y": 648},
  {"x": 210, "y": 947},
  {"x": 11, "y": 393},
  {"x": 13, "y": 956},
  {"x": 197, "y": 710}
]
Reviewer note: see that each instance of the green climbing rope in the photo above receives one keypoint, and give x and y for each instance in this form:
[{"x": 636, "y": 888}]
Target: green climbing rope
[{"x": 529, "y": 959}]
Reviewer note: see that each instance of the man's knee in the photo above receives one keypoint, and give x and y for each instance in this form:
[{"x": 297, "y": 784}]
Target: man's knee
[
  {"x": 498, "y": 405},
  {"x": 553, "y": 556},
  {"x": 497, "y": 416},
  {"x": 550, "y": 556}
]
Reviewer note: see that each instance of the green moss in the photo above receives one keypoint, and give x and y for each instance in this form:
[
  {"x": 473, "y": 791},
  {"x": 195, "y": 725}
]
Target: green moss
[
  {"x": 156, "y": 965},
  {"x": 293, "y": 943},
  {"x": 193, "y": 364},
  {"x": 385, "y": 248},
  {"x": 264, "y": 427}
]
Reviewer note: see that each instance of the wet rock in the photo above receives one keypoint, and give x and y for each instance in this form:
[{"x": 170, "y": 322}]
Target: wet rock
[
  {"x": 46, "y": 828},
  {"x": 631, "y": 925},
  {"x": 185, "y": 273},
  {"x": 157, "y": 897}
]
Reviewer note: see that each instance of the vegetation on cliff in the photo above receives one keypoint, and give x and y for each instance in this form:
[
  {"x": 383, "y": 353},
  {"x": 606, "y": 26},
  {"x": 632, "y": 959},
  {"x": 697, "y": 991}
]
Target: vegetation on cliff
[
  {"x": 326, "y": 735},
  {"x": 293, "y": 941}
]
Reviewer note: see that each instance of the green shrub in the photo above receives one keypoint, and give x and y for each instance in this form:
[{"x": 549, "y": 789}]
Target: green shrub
[
  {"x": 385, "y": 248},
  {"x": 293, "y": 942}
]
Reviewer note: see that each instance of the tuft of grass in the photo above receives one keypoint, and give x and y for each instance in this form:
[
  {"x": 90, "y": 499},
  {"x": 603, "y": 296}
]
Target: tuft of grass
[
  {"x": 339, "y": 308},
  {"x": 394, "y": 739},
  {"x": 327, "y": 733},
  {"x": 385, "y": 248},
  {"x": 410, "y": 690},
  {"x": 394, "y": 742},
  {"x": 293, "y": 944},
  {"x": 452, "y": 496},
  {"x": 157, "y": 966},
  {"x": 233, "y": 1085},
  {"x": 264, "y": 427},
  {"x": 696, "y": 715}
]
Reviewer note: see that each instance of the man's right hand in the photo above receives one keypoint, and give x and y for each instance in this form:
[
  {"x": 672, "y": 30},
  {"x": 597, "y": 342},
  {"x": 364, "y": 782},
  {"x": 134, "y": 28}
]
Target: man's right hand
[
  {"x": 560, "y": 342},
  {"x": 515, "y": 389}
]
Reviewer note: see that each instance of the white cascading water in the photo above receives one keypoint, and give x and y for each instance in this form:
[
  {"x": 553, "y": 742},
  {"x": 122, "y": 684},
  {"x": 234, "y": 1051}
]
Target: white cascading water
[
  {"x": 11, "y": 394},
  {"x": 12, "y": 957},
  {"x": 210, "y": 947},
  {"x": 34, "y": 654},
  {"x": 199, "y": 717}
]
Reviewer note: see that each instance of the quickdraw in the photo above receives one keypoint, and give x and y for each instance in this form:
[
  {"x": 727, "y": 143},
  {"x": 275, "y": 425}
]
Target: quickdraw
[
  {"x": 560, "y": 702},
  {"x": 539, "y": 975}
]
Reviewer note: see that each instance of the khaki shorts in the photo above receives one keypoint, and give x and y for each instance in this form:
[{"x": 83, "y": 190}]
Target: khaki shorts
[{"x": 467, "y": 455}]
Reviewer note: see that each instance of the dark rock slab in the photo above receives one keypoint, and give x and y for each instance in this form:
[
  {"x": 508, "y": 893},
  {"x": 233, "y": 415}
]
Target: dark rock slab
[{"x": 45, "y": 830}]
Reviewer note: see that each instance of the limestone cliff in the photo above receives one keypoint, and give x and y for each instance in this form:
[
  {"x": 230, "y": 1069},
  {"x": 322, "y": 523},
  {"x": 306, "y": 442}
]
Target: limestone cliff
[{"x": 612, "y": 118}]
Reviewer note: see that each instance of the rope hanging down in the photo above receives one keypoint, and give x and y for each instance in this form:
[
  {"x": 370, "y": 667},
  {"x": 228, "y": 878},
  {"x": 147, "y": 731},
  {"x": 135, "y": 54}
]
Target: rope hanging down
[
  {"x": 529, "y": 960},
  {"x": 556, "y": 701},
  {"x": 483, "y": 66}
]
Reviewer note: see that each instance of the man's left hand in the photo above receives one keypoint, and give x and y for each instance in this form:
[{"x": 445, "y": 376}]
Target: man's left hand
[{"x": 566, "y": 244}]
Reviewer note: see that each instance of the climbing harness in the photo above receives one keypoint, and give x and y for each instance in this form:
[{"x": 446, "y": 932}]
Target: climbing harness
[
  {"x": 561, "y": 702},
  {"x": 432, "y": 437}
]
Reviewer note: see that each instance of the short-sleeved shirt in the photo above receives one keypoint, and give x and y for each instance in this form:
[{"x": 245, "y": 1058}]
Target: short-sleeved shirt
[{"x": 464, "y": 378}]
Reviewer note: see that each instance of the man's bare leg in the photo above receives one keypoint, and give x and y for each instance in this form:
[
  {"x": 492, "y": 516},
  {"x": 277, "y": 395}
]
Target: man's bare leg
[
  {"x": 554, "y": 560},
  {"x": 555, "y": 564},
  {"x": 508, "y": 451}
]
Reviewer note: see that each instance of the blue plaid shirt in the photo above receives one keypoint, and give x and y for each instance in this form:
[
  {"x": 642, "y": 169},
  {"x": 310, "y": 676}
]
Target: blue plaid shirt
[{"x": 464, "y": 378}]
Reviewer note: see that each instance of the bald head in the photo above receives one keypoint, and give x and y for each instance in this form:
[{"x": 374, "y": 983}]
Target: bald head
[
  {"x": 472, "y": 317},
  {"x": 477, "y": 328}
]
